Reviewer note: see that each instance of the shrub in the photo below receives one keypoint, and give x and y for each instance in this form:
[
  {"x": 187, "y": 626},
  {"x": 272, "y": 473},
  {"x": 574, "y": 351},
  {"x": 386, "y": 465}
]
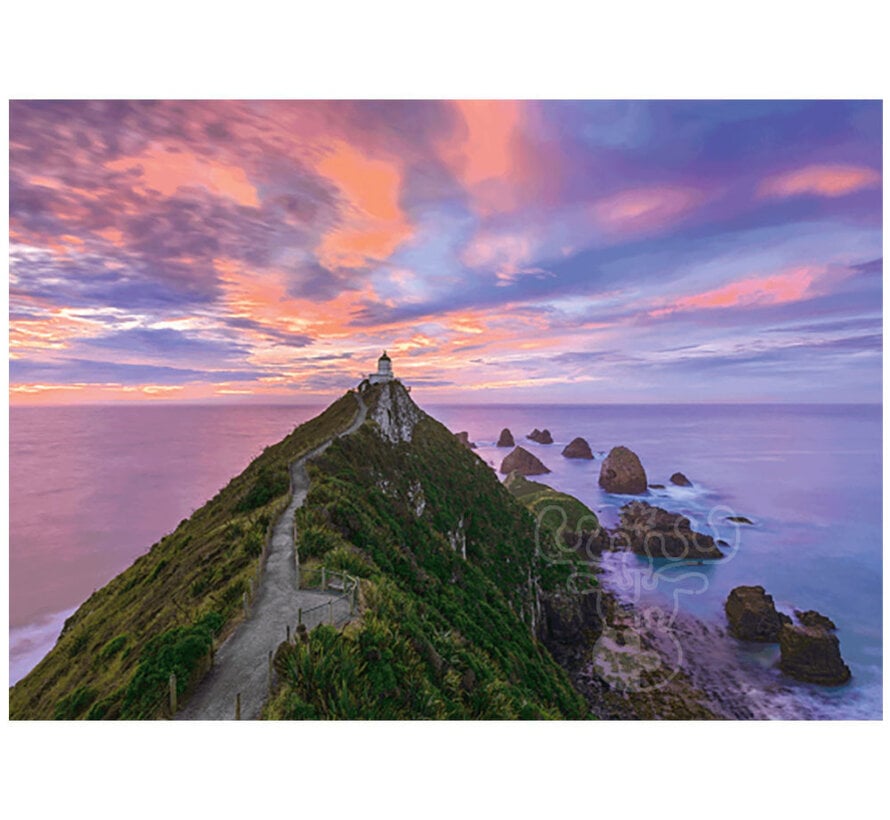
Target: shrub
[
  {"x": 69, "y": 708},
  {"x": 269, "y": 483},
  {"x": 114, "y": 646},
  {"x": 179, "y": 650},
  {"x": 314, "y": 541},
  {"x": 348, "y": 560}
]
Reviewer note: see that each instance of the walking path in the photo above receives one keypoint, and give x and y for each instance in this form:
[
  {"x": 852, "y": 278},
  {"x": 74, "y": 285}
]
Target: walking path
[{"x": 241, "y": 664}]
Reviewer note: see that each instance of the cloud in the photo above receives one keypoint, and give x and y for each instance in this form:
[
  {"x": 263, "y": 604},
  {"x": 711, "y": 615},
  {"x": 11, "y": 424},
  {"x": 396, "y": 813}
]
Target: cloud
[
  {"x": 790, "y": 286},
  {"x": 372, "y": 224},
  {"x": 821, "y": 180},
  {"x": 169, "y": 343},
  {"x": 87, "y": 371},
  {"x": 290, "y": 238},
  {"x": 166, "y": 170},
  {"x": 645, "y": 209}
]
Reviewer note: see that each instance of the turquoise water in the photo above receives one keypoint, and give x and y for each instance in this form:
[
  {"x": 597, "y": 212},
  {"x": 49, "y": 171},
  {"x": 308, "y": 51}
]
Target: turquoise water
[
  {"x": 809, "y": 476},
  {"x": 93, "y": 487}
]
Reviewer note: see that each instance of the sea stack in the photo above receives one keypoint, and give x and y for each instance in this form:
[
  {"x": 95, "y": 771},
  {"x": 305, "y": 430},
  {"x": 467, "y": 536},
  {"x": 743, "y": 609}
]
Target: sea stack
[
  {"x": 680, "y": 480},
  {"x": 812, "y": 654},
  {"x": 622, "y": 472},
  {"x": 577, "y": 448},
  {"x": 657, "y": 533},
  {"x": 506, "y": 438},
  {"x": 523, "y": 462},
  {"x": 540, "y": 436},
  {"x": 752, "y": 615},
  {"x": 464, "y": 438}
]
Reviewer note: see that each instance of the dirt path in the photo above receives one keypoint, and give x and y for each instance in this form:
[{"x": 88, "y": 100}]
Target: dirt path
[{"x": 241, "y": 664}]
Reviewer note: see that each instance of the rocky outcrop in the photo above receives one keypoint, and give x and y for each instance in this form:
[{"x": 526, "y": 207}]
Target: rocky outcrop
[
  {"x": 753, "y": 616},
  {"x": 680, "y": 480},
  {"x": 812, "y": 654},
  {"x": 565, "y": 617},
  {"x": 812, "y": 618},
  {"x": 464, "y": 438},
  {"x": 657, "y": 533},
  {"x": 395, "y": 414},
  {"x": 739, "y": 519},
  {"x": 540, "y": 436},
  {"x": 622, "y": 472},
  {"x": 577, "y": 448},
  {"x": 506, "y": 438},
  {"x": 523, "y": 462}
]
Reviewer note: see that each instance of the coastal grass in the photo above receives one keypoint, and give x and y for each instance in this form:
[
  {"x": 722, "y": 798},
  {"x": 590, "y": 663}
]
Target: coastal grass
[
  {"x": 562, "y": 522},
  {"x": 116, "y": 651},
  {"x": 450, "y": 579}
]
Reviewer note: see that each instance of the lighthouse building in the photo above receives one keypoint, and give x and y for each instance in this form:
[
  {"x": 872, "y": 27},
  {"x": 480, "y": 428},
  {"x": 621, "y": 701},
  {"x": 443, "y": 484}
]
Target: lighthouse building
[{"x": 384, "y": 370}]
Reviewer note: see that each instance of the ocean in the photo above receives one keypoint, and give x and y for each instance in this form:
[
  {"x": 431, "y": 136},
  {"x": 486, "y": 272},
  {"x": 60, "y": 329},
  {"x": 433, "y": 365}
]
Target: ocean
[{"x": 91, "y": 488}]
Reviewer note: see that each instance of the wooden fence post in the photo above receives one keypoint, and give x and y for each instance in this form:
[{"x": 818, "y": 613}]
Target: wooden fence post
[
  {"x": 238, "y": 706},
  {"x": 331, "y": 612},
  {"x": 324, "y": 578},
  {"x": 245, "y": 604},
  {"x": 270, "y": 671},
  {"x": 287, "y": 630},
  {"x": 300, "y": 615},
  {"x": 173, "y": 693}
]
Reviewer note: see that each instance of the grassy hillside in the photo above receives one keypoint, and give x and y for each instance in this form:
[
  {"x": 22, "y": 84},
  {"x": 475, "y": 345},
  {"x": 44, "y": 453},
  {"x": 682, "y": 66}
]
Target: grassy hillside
[
  {"x": 563, "y": 520},
  {"x": 451, "y": 583},
  {"x": 116, "y": 652}
]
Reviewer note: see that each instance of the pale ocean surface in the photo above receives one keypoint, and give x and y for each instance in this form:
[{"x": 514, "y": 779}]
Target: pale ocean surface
[{"x": 91, "y": 488}]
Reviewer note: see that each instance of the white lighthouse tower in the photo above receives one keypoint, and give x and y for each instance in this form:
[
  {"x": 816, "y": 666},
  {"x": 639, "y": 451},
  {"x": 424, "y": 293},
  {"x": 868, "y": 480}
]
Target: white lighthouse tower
[{"x": 384, "y": 370}]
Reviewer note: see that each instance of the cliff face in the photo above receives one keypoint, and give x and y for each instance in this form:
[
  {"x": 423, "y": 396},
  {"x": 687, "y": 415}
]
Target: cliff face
[
  {"x": 451, "y": 583},
  {"x": 452, "y": 588},
  {"x": 116, "y": 652}
]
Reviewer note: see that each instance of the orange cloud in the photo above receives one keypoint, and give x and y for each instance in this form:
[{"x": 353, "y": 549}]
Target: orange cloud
[
  {"x": 167, "y": 171},
  {"x": 486, "y": 156},
  {"x": 643, "y": 209},
  {"x": 790, "y": 286},
  {"x": 821, "y": 180},
  {"x": 373, "y": 222}
]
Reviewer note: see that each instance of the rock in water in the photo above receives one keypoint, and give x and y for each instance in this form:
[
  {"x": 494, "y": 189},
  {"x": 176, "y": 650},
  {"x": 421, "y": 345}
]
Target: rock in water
[
  {"x": 753, "y": 616},
  {"x": 464, "y": 438},
  {"x": 540, "y": 436},
  {"x": 622, "y": 472},
  {"x": 812, "y": 654},
  {"x": 813, "y": 618},
  {"x": 657, "y": 533},
  {"x": 680, "y": 480},
  {"x": 506, "y": 438},
  {"x": 523, "y": 462},
  {"x": 577, "y": 448}
]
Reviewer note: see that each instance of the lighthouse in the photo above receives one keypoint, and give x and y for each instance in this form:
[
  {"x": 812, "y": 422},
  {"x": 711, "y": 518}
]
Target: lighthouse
[{"x": 384, "y": 370}]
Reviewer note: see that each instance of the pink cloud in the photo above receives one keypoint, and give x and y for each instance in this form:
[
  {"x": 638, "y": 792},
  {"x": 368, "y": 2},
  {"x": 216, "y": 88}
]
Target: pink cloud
[
  {"x": 821, "y": 180},
  {"x": 789, "y": 286},
  {"x": 373, "y": 223},
  {"x": 490, "y": 157},
  {"x": 165, "y": 171},
  {"x": 644, "y": 209}
]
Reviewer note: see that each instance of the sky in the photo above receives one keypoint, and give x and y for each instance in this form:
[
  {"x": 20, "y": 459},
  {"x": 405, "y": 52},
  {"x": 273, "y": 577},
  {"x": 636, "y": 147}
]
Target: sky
[{"x": 506, "y": 251}]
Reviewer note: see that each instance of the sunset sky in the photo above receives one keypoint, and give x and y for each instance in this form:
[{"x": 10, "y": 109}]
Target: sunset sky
[{"x": 500, "y": 251}]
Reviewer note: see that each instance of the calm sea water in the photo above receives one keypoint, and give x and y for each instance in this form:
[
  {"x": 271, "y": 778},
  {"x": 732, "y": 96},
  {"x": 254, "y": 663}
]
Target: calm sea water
[{"x": 91, "y": 488}]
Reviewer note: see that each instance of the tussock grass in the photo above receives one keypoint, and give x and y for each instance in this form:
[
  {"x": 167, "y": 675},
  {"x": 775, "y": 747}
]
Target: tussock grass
[{"x": 202, "y": 567}]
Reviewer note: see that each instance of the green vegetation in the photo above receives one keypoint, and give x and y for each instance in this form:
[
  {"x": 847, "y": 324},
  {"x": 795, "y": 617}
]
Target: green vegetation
[
  {"x": 451, "y": 585},
  {"x": 184, "y": 651},
  {"x": 203, "y": 567},
  {"x": 440, "y": 635},
  {"x": 563, "y": 522}
]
